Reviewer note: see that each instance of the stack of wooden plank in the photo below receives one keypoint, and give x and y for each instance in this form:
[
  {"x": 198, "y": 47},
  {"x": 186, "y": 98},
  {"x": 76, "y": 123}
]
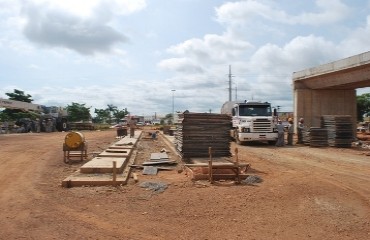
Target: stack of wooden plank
[
  {"x": 198, "y": 132},
  {"x": 318, "y": 137},
  {"x": 340, "y": 130}
]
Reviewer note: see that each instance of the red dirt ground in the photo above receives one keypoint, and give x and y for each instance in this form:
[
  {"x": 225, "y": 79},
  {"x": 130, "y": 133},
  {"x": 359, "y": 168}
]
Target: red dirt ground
[{"x": 306, "y": 193}]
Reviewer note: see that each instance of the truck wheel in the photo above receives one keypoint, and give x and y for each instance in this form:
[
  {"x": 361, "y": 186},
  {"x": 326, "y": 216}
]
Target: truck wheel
[{"x": 64, "y": 125}]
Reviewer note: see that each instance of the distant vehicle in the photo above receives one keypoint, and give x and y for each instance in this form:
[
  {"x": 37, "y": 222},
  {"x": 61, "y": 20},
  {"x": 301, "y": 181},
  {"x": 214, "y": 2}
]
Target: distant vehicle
[
  {"x": 251, "y": 121},
  {"x": 140, "y": 124},
  {"x": 50, "y": 119},
  {"x": 117, "y": 126}
]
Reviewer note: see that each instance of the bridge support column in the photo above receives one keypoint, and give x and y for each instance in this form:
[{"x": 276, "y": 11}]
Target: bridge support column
[{"x": 311, "y": 104}]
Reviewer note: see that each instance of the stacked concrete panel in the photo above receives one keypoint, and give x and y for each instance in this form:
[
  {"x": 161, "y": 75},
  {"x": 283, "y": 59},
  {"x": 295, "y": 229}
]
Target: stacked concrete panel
[
  {"x": 339, "y": 129},
  {"x": 200, "y": 131}
]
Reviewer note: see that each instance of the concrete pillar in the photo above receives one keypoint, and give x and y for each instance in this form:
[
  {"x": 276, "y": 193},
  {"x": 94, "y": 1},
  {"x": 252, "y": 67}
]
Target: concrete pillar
[{"x": 312, "y": 104}]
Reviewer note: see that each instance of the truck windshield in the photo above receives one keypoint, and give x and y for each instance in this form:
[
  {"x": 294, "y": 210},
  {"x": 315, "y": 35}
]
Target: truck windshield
[{"x": 255, "y": 110}]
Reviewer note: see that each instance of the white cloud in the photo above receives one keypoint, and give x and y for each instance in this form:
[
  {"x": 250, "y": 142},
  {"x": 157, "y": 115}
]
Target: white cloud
[
  {"x": 184, "y": 65},
  {"x": 16, "y": 45},
  {"x": 357, "y": 41},
  {"x": 241, "y": 12},
  {"x": 213, "y": 48},
  {"x": 84, "y": 26},
  {"x": 34, "y": 66},
  {"x": 200, "y": 56},
  {"x": 299, "y": 53},
  {"x": 332, "y": 11},
  {"x": 53, "y": 28},
  {"x": 88, "y": 8}
]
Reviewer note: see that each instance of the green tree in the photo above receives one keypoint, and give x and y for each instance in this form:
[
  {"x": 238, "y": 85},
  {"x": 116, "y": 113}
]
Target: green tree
[
  {"x": 120, "y": 114},
  {"x": 112, "y": 109},
  {"x": 102, "y": 115},
  {"x": 78, "y": 112},
  {"x": 167, "y": 119},
  {"x": 109, "y": 115},
  {"x": 14, "y": 114},
  {"x": 363, "y": 106},
  {"x": 4, "y": 117},
  {"x": 19, "y": 95}
]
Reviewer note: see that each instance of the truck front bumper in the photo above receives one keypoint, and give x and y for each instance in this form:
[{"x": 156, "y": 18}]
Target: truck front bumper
[{"x": 249, "y": 137}]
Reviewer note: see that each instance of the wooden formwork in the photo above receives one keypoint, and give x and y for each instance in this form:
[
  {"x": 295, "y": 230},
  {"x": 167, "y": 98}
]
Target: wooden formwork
[{"x": 217, "y": 169}]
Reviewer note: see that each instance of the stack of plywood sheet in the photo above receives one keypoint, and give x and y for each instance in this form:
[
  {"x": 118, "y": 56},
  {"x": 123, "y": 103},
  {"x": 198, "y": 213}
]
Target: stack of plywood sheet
[
  {"x": 340, "y": 130},
  {"x": 200, "y": 131},
  {"x": 318, "y": 137}
]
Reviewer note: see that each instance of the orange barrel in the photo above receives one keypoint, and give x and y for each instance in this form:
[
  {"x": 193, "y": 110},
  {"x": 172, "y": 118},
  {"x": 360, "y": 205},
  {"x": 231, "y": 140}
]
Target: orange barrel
[{"x": 74, "y": 139}]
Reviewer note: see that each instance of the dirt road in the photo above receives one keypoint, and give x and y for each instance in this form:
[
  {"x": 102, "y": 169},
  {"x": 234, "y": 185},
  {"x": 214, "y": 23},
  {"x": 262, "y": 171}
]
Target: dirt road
[{"x": 306, "y": 193}]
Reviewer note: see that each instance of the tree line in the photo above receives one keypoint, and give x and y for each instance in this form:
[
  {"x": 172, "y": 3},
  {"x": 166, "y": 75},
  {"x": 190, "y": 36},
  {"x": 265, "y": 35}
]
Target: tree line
[{"x": 76, "y": 111}]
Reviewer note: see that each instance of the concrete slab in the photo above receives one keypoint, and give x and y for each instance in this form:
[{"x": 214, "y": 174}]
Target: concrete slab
[
  {"x": 158, "y": 156},
  {"x": 115, "y": 150},
  {"x": 163, "y": 155},
  {"x": 103, "y": 165},
  {"x": 114, "y": 154},
  {"x": 150, "y": 170},
  {"x": 121, "y": 147},
  {"x": 78, "y": 179},
  {"x": 127, "y": 141},
  {"x": 155, "y": 156}
]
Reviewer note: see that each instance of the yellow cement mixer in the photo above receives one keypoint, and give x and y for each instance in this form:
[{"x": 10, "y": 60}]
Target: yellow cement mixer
[{"x": 74, "y": 146}]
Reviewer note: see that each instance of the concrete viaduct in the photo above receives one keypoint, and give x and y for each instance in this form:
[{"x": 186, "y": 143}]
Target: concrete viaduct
[{"x": 330, "y": 89}]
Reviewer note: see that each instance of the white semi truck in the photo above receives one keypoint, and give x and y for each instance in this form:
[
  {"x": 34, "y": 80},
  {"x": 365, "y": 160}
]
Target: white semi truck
[{"x": 251, "y": 121}]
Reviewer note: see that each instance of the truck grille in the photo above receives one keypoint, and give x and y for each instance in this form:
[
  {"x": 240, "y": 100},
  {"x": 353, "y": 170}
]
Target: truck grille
[{"x": 261, "y": 125}]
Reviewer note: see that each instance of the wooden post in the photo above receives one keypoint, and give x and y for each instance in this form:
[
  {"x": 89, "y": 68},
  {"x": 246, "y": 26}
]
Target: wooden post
[
  {"x": 210, "y": 165},
  {"x": 134, "y": 176},
  {"x": 82, "y": 155},
  {"x": 237, "y": 165},
  {"x": 236, "y": 155},
  {"x": 114, "y": 173}
]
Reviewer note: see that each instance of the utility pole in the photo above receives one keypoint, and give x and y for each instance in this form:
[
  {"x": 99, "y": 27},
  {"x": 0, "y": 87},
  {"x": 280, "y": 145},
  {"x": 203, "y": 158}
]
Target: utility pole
[{"x": 230, "y": 82}]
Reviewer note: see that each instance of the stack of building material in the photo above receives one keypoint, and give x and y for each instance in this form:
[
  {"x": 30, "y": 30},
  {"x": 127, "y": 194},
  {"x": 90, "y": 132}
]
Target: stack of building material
[
  {"x": 340, "y": 130},
  {"x": 318, "y": 137},
  {"x": 198, "y": 132},
  {"x": 109, "y": 167}
]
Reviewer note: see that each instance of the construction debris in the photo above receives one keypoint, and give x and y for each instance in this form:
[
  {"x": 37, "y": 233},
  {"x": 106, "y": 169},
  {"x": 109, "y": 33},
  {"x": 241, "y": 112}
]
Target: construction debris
[
  {"x": 150, "y": 170},
  {"x": 157, "y": 187},
  {"x": 252, "y": 179}
]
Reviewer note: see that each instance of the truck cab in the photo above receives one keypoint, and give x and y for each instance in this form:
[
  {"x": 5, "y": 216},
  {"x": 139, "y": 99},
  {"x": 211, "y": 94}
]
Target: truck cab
[{"x": 251, "y": 121}]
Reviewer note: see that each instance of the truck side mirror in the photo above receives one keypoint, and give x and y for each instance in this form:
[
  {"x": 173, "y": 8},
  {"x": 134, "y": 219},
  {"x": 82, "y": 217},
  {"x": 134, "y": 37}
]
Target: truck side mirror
[{"x": 275, "y": 112}]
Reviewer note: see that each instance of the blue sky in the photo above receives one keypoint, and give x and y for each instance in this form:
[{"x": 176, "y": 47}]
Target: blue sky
[{"x": 132, "y": 53}]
